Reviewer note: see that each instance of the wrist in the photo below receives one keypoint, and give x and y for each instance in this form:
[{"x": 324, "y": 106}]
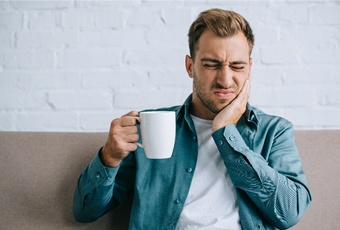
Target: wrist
[
  {"x": 107, "y": 160},
  {"x": 217, "y": 126}
]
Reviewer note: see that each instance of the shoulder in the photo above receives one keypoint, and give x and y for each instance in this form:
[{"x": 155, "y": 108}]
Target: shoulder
[{"x": 266, "y": 120}]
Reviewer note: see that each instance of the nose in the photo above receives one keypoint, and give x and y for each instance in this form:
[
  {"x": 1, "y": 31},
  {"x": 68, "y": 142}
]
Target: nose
[{"x": 225, "y": 77}]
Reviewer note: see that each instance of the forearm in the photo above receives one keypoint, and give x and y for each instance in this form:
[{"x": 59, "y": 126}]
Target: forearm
[
  {"x": 281, "y": 194},
  {"x": 93, "y": 194},
  {"x": 280, "y": 200}
]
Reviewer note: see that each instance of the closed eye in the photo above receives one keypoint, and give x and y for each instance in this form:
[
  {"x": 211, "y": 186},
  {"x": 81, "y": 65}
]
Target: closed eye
[
  {"x": 211, "y": 63},
  {"x": 237, "y": 67}
]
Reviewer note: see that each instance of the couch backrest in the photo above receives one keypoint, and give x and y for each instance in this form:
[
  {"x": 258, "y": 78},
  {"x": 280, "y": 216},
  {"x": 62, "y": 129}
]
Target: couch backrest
[
  {"x": 320, "y": 153},
  {"x": 39, "y": 171}
]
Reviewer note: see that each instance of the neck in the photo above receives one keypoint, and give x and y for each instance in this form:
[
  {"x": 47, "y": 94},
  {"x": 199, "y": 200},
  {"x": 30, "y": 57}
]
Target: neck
[{"x": 198, "y": 109}]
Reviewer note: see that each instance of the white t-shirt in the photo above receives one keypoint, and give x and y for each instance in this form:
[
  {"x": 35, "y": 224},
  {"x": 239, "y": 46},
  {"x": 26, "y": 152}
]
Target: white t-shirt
[{"x": 211, "y": 202}]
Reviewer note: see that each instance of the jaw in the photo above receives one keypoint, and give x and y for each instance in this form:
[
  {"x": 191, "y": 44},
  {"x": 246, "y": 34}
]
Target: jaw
[{"x": 199, "y": 108}]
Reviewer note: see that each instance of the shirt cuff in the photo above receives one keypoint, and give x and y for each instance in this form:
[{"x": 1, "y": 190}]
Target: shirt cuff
[
  {"x": 99, "y": 173},
  {"x": 230, "y": 135},
  {"x": 234, "y": 138}
]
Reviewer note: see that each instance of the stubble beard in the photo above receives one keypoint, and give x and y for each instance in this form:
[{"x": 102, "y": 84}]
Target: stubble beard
[{"x": 211, "y": 105}]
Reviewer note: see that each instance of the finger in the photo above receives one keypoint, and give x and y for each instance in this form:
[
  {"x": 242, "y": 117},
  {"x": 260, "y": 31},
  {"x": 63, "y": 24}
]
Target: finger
[
  {"x": 127, "y": 143},
  {"x": 132, "y": 113},
  {"x": 243, "y": 96},
  {"x": 129, "y": 130},
  {"x": 249, "y": 86},
  {"x": 250, "y": 77},
  {"x": 121, "y": 143},
  {"x": 244, "y": 90},
  {"x": 124, "y": 149},
  {"x": 128, "y": 121},
  {"x": 246, "y": 93},
  {"x": 131, "y": 138},
  {"x": 131, "y": 147}
]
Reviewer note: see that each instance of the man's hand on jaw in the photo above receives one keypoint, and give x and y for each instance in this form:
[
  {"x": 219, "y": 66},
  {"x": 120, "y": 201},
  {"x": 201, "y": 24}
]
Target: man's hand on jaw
[{"x": 233, "y": 112}]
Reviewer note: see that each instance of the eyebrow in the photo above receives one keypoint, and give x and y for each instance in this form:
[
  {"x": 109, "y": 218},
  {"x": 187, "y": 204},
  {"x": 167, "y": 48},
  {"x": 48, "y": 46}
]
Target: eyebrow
[
  {"x": 211, "y": 60},
  {"x": 238, "y": 63},
  {"x": 219, "y": 62}
]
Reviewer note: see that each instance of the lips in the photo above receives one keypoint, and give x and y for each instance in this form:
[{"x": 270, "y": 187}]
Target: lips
[{"x": 224, "y": 94}]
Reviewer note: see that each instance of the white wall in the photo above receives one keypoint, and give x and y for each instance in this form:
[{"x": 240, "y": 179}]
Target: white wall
[{"x": 75, "y": 65}]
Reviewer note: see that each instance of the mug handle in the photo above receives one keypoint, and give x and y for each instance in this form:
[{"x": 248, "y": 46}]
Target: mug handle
[{"x": 140, "y": 145}]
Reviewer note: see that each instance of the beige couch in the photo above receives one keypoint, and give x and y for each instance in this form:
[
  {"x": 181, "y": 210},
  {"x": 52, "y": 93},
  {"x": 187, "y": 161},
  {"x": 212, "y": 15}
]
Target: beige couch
[{"x": 39, "y": 172}]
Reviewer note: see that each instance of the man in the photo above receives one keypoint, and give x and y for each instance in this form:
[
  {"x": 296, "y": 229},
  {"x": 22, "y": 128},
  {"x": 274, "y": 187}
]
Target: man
[{"x": 233, "y": 167}]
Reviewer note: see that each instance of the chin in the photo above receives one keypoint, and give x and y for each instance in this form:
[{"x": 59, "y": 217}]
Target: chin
[{"x": 221, "y": 106}]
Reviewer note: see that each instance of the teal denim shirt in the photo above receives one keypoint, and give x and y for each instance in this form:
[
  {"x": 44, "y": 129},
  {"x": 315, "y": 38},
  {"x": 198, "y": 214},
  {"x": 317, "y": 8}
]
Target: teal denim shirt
[{"x": 259, "y": 152}]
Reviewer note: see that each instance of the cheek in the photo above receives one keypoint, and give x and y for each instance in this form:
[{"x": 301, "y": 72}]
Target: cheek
[
  {"x": 204, "y": 78},
  {"x": 200, "y": 85},
  {"x": 204, "y": 83},
  {"x": 240, "y": 79}
]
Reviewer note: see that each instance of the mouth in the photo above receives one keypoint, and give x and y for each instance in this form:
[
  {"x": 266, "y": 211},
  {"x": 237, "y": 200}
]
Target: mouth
[{"x": 224, "y": 94}]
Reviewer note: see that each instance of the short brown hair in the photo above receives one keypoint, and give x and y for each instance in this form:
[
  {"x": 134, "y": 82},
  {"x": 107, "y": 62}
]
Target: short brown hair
[{"x": 223, "y": 23}]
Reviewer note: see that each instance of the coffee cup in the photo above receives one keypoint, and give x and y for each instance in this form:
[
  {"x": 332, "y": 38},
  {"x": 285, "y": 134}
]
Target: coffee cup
[{"x": 158, "y": 133}]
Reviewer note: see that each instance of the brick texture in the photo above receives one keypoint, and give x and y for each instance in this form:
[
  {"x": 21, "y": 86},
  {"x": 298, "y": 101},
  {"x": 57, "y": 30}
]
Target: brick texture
[{"x": 75, "y": 65}]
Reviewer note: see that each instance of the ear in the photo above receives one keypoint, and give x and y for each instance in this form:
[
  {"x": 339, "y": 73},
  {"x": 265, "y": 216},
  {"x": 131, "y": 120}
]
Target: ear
[{"x": 189, "y": 65}]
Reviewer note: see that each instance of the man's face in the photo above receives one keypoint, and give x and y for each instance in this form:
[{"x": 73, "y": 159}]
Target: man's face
[{"x": 219, "y": 71}]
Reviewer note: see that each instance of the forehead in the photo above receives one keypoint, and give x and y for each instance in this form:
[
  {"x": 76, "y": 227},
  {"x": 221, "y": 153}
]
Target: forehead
[{"x": 223, "y": 48}]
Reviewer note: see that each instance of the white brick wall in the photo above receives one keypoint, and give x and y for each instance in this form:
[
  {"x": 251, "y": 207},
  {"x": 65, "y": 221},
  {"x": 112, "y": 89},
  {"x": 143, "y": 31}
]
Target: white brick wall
[{"x": 75, "y": 65}]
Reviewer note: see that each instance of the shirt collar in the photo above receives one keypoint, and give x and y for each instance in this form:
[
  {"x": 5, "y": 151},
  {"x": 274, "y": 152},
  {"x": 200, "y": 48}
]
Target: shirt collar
[{"x": 251, "y": 115}]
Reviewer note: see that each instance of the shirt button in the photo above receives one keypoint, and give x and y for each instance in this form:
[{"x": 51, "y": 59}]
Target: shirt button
[
  {"x": 189, "y": 170},
  {"x": 231, "y": 138},
  {"x": 220, "y": 142},
  {"x": 98, "y": 175},
  {"x": 177, "y": 201},
  {"x": 194, "y": 138}
]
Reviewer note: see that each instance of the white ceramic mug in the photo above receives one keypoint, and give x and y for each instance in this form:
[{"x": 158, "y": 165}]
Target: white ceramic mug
[{"x": 158, "y": 131}]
